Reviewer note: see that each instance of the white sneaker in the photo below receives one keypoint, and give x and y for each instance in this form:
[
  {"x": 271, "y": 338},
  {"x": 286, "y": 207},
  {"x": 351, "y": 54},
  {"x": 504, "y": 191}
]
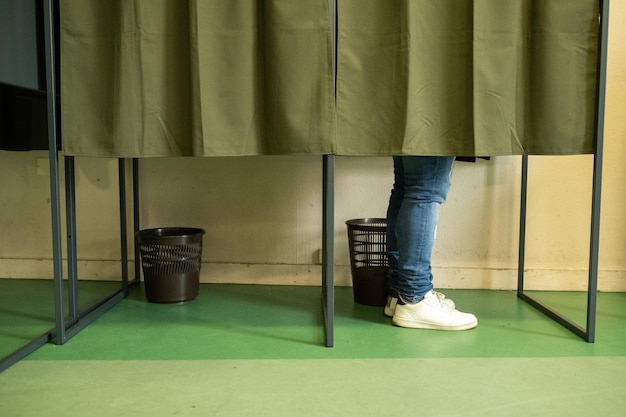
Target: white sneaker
[
  {"x": 392, "y": 302},
  {"x": 432, "y": 313}
]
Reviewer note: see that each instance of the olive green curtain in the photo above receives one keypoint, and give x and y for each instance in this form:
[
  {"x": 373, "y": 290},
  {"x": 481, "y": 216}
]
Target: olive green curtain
[
  {"x": 456, "y": 77},
  {"x": 251, "y": 77},
  {"x": 196, "y": 77}
]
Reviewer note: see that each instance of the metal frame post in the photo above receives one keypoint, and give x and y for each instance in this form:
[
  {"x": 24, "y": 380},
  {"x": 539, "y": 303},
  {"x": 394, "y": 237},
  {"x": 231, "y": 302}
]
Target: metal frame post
[
  {"x": 328, "y": 247},
  {"x": 328, "y": 209},
  {"x": 123, "y": 222},
  {"x": 136, "y": 220},
  {"x": 70, "y": 219},
  {"x": 55, "y": 195}
]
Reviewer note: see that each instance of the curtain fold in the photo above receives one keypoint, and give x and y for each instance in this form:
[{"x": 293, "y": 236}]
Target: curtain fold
[
  {"x": 145, "y": 78},
  {"x": 482, "y": 77}
]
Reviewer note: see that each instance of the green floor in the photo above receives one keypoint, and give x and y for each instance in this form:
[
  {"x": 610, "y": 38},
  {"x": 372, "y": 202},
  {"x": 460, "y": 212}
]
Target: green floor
[{"x": 258, "y": 350}]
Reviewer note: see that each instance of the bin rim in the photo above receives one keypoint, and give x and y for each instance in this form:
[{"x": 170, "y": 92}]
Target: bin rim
[
  {"x": 368, "y": 223},
  {"x": 366, "y": 220},
  {"x": 169, "y": 232}
]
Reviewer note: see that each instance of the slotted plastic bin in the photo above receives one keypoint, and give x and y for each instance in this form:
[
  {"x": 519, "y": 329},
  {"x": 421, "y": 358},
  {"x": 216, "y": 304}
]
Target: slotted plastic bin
[
  {"x": 367, "y": 239},
  {"x": 171, "y": 258}
]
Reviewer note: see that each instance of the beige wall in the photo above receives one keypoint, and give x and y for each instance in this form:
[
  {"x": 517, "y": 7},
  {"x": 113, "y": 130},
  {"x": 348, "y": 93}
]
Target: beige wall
[{"x": 263, "y": 214}]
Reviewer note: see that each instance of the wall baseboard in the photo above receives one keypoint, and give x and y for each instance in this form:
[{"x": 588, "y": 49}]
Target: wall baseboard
[{"x": 269, "y": 274}]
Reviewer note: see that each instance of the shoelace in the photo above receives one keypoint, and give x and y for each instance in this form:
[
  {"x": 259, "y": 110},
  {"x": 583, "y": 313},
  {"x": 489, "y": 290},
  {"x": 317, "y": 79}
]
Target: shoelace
[{"x": 440, "y": 298}]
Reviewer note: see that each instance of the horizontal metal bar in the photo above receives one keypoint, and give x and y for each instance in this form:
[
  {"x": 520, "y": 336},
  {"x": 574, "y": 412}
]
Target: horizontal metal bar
[
  {"x": 559, "y": 318},
  {"x": 26, "y": 350},
  {"x": 89, "y": 315}
]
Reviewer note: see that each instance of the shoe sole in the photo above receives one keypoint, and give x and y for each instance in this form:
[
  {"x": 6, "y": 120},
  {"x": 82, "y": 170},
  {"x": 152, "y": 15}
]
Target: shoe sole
[{"x": 430, "y": 326}]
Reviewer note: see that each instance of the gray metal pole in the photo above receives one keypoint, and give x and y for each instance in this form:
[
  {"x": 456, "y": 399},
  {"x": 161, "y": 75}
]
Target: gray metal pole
[
  {"x": 55, "y": 195},
  {"x": 328, "y": 215},
  {"x": 597, "y": 170},
  {"x": 123, "y": 222},
  {"x": 136, "y": 219},
  {"x": 328, "y": 247},
  {"x": 70, "y": 226},
  {"x": 522, "y": 226}
]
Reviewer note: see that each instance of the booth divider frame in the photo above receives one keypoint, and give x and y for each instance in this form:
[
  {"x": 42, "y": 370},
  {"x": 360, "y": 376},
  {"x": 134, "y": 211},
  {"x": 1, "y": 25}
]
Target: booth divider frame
[
  {"x": 68, "y": 325},
  {"x": 77, "y": 319},
  {"x": 588, "y": 332}
]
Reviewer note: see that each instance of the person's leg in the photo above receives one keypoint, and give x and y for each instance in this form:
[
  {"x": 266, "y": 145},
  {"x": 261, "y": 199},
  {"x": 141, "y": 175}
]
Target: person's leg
[
  {"x": 426, "y": 182},
  {"x": 395, "y": 202}
]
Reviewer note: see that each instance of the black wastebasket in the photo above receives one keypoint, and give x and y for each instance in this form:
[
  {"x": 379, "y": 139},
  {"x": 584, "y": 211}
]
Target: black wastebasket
[
  {"x": 368, "y": 260},
  {"x": 171, "y": 259}
]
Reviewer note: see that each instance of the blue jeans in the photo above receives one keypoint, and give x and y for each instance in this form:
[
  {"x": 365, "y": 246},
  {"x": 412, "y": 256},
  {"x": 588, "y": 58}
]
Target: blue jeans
[{"x": 420, "y": 186}]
